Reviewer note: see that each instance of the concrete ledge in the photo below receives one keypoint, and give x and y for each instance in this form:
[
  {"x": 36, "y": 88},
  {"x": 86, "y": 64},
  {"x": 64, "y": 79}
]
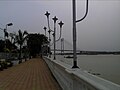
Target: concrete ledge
[{"x": 77, "y": 79}]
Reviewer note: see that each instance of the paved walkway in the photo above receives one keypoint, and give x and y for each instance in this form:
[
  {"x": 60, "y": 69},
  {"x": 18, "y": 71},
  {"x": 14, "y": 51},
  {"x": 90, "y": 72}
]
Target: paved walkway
[{"x": 30, "y": 75}]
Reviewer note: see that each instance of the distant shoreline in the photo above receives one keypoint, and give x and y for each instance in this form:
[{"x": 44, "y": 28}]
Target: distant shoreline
[{"x": 89, "y": 54}]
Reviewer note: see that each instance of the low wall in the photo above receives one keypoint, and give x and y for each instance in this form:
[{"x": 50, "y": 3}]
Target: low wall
[
  {"x": 77, "y": 79},
  {"x": 12, "y": 55}
]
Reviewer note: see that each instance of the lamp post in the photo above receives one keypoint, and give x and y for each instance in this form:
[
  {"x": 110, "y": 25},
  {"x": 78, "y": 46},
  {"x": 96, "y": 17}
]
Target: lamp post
[
  {"x": 60, "y": 24},
  {"x": 5, "y": 30},
  {"x": 49, "y": 44},
  {"x": 45, "y": 30},
  {"x": 74, "y": 31},
  {"x": 48, "y": 14},
  {"x": 54, "y": 19},
  {"x": 54, "y": 31},
  {"x": 49, "y": 31},
  {"x": 9, "y": 24},
  {"x": 6, "y": 35},
  {"x": 44, "y": 47},
  {"x": 62, "y": 46}
]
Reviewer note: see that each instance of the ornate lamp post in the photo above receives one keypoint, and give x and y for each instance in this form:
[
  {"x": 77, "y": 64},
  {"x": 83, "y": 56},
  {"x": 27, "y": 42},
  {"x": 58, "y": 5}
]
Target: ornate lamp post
[
  {"x": 45, "y": 45},
  {"x": 54, "y": 19},
  {"x": 45, "y": 30},
  {"x": 54, "y": 32},
  {"x": 48, "y": 14},
  {"x": 49, "y": 44},
  {"x": 60, "y": 24},
  {"x": 62, "y": 46},
  {"x": 49, "y": 31},
  {"x": 74, "y": 31}
]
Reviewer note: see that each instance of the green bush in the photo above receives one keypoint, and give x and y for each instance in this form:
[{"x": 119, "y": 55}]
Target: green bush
[
  {"x": 1, "y": 68},
  {"x": 4, "y": 64}
]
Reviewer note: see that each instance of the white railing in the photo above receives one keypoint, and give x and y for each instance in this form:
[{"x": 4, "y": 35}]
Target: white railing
[{"x": 77, "y": 79}]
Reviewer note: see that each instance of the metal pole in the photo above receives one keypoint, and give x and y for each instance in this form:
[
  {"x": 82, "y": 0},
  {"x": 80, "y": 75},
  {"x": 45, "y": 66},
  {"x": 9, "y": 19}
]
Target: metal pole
[
  {"x": 5, "y": 46},
  {"x": 74, "y": 36},
  {"x": 54, "y": 41},
  {"x": 61, "y": 24},
  {"x": 45, "y": 30},
  {"x": 55, "y": 19},
  {"x": 49, "y": 44},
  {"x": 63, "y": 46},
  {"x": 5, "y": 31}
]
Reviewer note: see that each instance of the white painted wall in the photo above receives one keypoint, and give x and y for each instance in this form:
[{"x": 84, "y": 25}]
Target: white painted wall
[{"x": 77, "y": 79}]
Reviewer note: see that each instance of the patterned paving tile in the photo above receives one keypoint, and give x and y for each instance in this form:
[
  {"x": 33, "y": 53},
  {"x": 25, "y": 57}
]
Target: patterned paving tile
[{"x": 33, "y": 74}]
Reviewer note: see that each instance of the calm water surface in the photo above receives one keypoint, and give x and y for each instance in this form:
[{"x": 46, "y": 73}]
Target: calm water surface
[{"x": 105, "y": 66}]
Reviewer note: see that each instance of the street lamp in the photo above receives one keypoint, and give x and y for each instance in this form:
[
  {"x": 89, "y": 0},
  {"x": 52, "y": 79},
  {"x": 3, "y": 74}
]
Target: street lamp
[
  {"x": 49, "y": 31},
  {"x": 54, "y": 32},
  {"x": 6, "y": 35},
  {"x": 74, "y": 31},
  {"x": 5, "y": 30},
  {"x": 49, "y": 44},
  {"x": 9, "y": 24},
  {"x": 45, "y": 30},
  {"x": 54, "y": 19},
  {"x": 48, "y": 14},
  {"x": 62, "y": 46},
  {"x": 45, "y": 36},
  {"x": 60, "y": 24}
]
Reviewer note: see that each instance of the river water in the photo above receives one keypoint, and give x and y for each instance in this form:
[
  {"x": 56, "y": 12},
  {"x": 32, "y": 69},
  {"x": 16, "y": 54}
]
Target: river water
[{"x": 104, "y": 66}]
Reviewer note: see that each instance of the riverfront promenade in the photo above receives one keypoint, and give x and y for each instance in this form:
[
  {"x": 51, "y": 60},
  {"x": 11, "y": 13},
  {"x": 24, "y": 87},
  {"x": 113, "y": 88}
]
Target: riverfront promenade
[{"x": 33, "y": 74}]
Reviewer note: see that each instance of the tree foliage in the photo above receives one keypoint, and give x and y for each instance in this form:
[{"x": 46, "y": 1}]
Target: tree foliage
[
  {"x": 9, "y": 46},
  {"x": 35, "y": 42},
  {"x": 20, "y": 38},
  {"x": 2, "y": 44}
]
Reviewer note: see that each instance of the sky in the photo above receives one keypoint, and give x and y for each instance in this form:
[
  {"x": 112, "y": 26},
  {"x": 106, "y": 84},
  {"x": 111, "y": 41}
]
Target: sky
[{"x": 98, "y": 31}]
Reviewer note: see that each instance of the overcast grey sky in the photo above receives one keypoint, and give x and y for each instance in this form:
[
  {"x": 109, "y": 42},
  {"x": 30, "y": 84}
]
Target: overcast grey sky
[{"x": 99, "y": 31}]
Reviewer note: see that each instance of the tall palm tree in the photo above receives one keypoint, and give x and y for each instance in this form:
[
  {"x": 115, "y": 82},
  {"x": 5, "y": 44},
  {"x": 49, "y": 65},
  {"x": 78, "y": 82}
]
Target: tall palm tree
[{"x": 20, "y": 38}]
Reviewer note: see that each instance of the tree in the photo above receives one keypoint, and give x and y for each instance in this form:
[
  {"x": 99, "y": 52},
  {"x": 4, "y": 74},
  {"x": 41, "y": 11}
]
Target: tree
[
  {"x": 35, "y": 42},
  {"x": 12, "y": 40},
  {"x": 12, "y": 36},
  {"x": 20, "y": 38},
  {"x": 2, "y": 44},
  {"x": 9, "y": 46}
]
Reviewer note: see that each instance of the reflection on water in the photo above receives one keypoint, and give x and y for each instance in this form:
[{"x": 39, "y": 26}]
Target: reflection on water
[{"x": 105, "y": 66}]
